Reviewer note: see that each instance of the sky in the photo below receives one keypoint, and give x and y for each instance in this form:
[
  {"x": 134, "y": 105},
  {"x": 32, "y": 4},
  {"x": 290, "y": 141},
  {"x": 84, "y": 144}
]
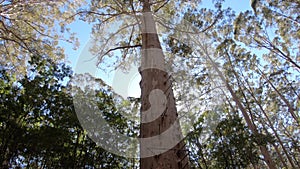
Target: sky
[{"x": 81, "y": 59}]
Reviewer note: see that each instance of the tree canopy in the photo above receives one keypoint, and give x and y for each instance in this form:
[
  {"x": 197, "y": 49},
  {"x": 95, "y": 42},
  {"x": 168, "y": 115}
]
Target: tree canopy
[{"x": 235, "y": 77}]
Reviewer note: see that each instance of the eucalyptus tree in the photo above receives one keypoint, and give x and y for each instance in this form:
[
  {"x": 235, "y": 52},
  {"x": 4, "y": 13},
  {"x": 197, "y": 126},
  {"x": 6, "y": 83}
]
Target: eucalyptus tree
[
  {"x": 274, "y": 29},
  {"x": 276, "y": 32},
  {"x": 134, "y": 35},
  {"x": 273, "y": 74},
  {"x": 34, "y": 27},
  {"x": 259, "y": 71},
  {"x": 267, "y": 67},
  {"x": 125, "y": 18}
]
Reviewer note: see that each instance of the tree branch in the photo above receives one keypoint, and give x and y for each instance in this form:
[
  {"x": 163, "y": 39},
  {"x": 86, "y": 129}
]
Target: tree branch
[
  {"x": 165, "y": 3},
  {"x": 190, "y": 32},
  {"x": 119, "y": 47}
]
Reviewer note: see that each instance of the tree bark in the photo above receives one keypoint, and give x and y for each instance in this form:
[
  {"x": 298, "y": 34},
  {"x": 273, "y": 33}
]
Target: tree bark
[{"x": 159, "y": 122}]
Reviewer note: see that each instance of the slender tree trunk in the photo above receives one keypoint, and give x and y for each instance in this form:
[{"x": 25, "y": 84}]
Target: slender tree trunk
[
  {"x": 264, "y": 113},
  {"x": 290, "y": 107},
  {"x": 263, "y": 149},
  {"x": 279, "y": 155},
  {"x": 271, "y": 126},
  {"x": 155, "y": 133}
]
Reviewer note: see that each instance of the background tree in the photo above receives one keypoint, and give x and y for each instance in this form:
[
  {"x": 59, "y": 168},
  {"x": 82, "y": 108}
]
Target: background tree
[
  {"x": 34, "y": 28},
  {"x": 249, "y": 71},
  {"x": 230, "y": 146},
  {"x": 39, "y": 127}
]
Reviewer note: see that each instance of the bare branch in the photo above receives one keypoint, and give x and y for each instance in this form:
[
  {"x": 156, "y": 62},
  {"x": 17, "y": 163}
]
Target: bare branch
[
  {"x": 93, "y": 12},
  {"x": 285, "y": 16},
  {"x": 110, "y": 37},
  {"x": 121, "y": 47},
  {"x": 135, "y": 14},
  {"x": 128, "y": 44},
  {"x": 165, "y": 3},
  {"x": 276, "y": 50},
  {"x": 36, "y": 29}
]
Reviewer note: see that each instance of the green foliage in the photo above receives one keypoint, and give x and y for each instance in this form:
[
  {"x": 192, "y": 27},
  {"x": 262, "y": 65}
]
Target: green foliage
[
  {"x": 39, "y": 127},
  {"x": 32, "y": 29},
  {"x": 257, "y": 54},
  {"x": 258, "y": 57},
  {"x": 230, "y": 145},
  {"x": 233, "y": 145}
]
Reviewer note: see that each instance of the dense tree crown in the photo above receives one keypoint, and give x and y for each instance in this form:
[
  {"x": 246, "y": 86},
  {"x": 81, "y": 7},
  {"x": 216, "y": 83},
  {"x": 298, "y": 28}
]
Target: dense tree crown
[{"x": 234, "y": 75}]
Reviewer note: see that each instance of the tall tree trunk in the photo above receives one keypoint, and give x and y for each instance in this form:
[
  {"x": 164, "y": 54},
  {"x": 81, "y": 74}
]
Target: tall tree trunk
[
  {"x": 263, "y": 149},
  {"x": 279, "y": 155},
  {"x": 290, "y": 107},
  {"x": 240, "y": 84},
  {"x": 160, "y": 127},
  {"x": 271, "y": 126}
]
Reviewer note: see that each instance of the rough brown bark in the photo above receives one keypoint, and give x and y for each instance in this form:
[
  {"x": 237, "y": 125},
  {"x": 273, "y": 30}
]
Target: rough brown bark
[{"x": 155, "y": 78}]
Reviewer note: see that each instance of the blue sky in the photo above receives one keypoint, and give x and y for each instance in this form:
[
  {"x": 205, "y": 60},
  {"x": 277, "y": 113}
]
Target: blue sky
[{"x": 83, "y": 32}]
